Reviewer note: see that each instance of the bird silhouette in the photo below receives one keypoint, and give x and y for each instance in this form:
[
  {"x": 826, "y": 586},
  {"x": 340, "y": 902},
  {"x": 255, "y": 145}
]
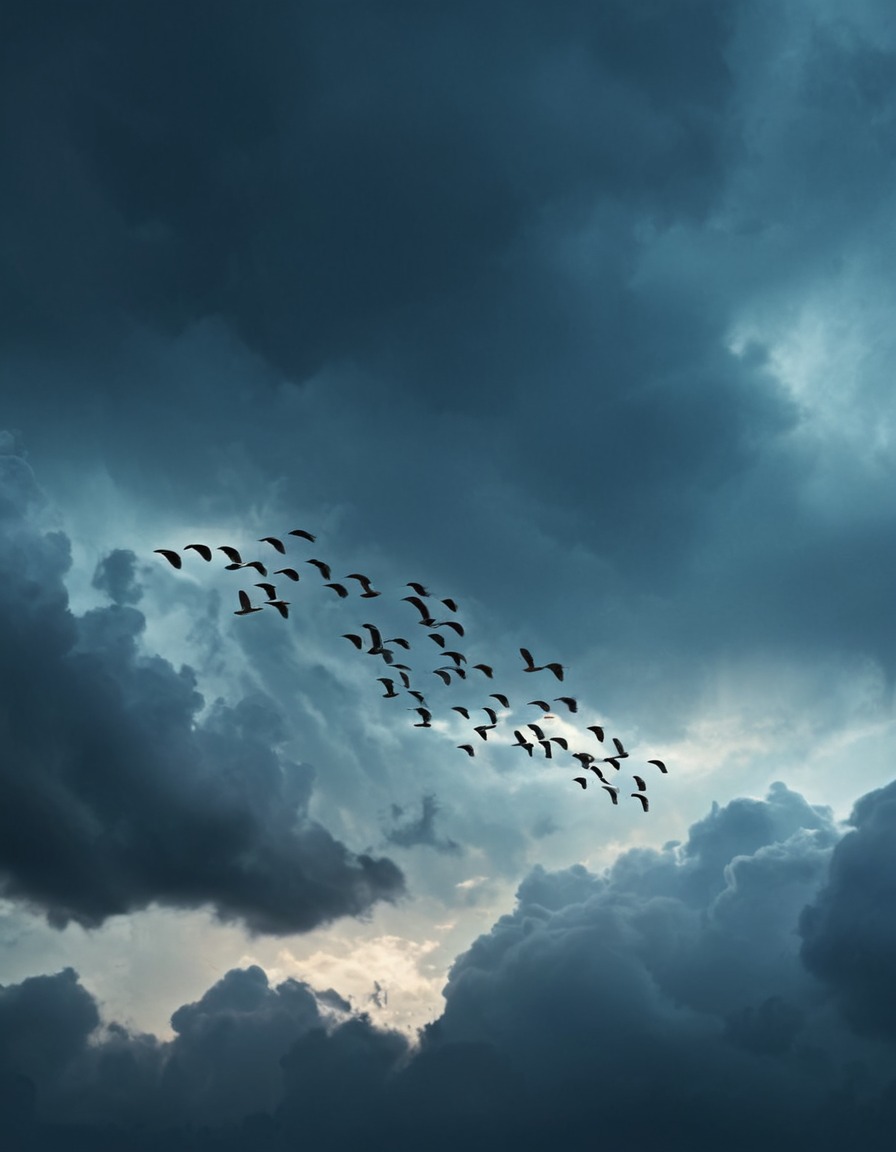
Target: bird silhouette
[
  {"x": 340, "y": 590},
  {"x": 581, "y": 780},
  {"x": 389, "y": 685},
  {"x": 203, "y": 549},
  {"x": 463, "y": 711},
  {"x": 584, "y": 758},
  {"x": 365, "y": 583},
  {"x": 418, "y": 588},
  {"x": 614, "y": 760},
  {"x": 282, "y": 606},
  {"x": 305, "y": 535},
  {"x": 290, "y": 573},
  {"x": 323, "y": 568},
  {"x": 356, "y": 640},
  {"x": 256, "y": 564},
  {"x": 455, "y": 669},
  {"x": 662, "y": 767},
  {"x": 529, "y": 662},
  {"x": 639, "y": 783},
  {"x": 571, "y": 704},
  {"x": 231, "y": 553},
  {"x": 440, "y": 640},
  {"x": 486, "y": 670},
  {"x": 400, "y": 641},
  {"x": 597, "y": 730},
  {"x": 468, "y": 748},
  {"x": 542, "y": 704},
  {"x": 425, "y": 617},
  {"x": 425, "y": 717},
  {"x": 645, "y": 803},
  {"x": 522, "y": 742},
  {"x": 405, "y": 679},
  {"x": 597, "y": 772},
  {"x": 172, "y": 557},
  {"x": 502, "y": 700},
  {"x": 442, "y": 675},
  {"x": 483, "y": 730},
  {"x": 561, "y": 741},
  {"x": 245, "y": 604},
  {"x": 457, "y": 657},
  {"x": 453, "y": 624},
  {"x": 451, "y": 605},
  {"x": 492, "y": 714},
  {"x": 274, "y": 542},
  {"x": 620, "y": 751},
  {"x": 418, "y": 696},
  {"x": 614, "y": 792},
  {"x": 538, "y": 732},
  {"x": 548, "y": 752},
  {"x": 556, "y": 668},
  {"x": 376, "y": 639},
  {"x": 269, "y": 590}
]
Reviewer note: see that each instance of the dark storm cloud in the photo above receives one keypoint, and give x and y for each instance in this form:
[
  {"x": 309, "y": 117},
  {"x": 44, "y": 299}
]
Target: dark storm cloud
[
  {"x": 663, "y": 1003},
  {"x": 116, "y": 576},
  {"x": 421, "y": 829},
  {"x": 113, "y": 796}
]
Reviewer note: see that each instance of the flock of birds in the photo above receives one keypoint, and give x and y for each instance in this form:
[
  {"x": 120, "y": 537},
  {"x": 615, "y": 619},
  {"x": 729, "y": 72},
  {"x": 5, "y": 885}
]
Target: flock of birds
[{"x": 453, "y": 670}]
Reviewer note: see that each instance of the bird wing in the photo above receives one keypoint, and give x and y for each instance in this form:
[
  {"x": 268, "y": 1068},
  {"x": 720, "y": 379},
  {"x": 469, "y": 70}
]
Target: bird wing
[
  {"x": 305, "y": 535},
  {"x": 527, "y": 657},
  {"x": 418, "y": 588},
  {"x": 502, "y": 700},
  {"x": 538, "y": 732},
  {"x": 571, "y": 704},
  {"x": 274, "y": 542},
  {"x": 614, "y": 792},
  {"x": 468, "y": 748},
  {"x": 662, "y": 767},
  {"x": 492, "y": 714},
  {"x": 451, "y": 605},
  {"x": 290, "y": 572},
  {"x": 545, "y": 707},
  {"x": 245, "y": 602},
  {"x": 581, "y": 780},
  {"x": 640, "y": 783},
  {"x": 645, "y": 803},
  {"x": 557, "y": 669},
  {"x": 356, "y": 640},
  {"x": 618, "y": 745},
  {"x": 443, "y": 675},
  {"x": 597, "y": 730},
  {"x": 486, "y": 670},
  {"x": 231, "y": 554},
  {"x": 340, "y": 590},
  {"x": 462, "y": 711},
  {"x": 203, "y": 549},
  {"x": 172, "y": 557}
]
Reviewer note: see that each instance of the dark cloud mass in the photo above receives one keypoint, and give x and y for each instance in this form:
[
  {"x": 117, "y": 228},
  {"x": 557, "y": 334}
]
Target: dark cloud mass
[
  {"x": 113, "y": 796},
  {"x": 675, "y": 978}
]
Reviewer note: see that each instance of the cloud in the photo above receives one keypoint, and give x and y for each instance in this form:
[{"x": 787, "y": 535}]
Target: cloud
[
  {"x": 421, "y": 830},
  {"x": 676, "y": 977},
  {"x": 114, "y": 796},
  {"x": 116, "y": 576}
]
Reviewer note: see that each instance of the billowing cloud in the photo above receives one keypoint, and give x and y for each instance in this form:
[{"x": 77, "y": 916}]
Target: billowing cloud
[
  {"x": 113, "y": 795},
  {"x": 421, "y": 829}
]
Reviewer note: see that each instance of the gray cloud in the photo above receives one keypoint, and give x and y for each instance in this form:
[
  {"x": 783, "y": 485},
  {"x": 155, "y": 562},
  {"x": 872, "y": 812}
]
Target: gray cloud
[
  {"x": 421, "y": 830},
  {"x": 114, "y": 796}
]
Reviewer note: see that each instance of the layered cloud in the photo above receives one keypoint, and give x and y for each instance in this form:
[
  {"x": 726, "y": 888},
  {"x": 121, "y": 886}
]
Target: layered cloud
[
  {"x": 113, "y": 795},
  {"x": 664, "y": 1001}
]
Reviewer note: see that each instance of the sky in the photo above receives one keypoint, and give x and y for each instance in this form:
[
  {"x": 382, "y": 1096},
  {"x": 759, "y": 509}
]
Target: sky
[{"x": 580, "y": 316}]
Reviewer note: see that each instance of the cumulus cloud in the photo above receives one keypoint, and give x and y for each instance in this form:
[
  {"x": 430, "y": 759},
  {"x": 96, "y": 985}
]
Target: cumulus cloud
[
  {"x": 114, "y": 796},
  {"x": 421, "y": 830},
  {"x": 676, "y": 977}
]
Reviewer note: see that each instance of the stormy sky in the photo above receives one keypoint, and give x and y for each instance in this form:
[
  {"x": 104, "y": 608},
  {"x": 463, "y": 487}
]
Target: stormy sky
[{"x": 581, "y": 316}]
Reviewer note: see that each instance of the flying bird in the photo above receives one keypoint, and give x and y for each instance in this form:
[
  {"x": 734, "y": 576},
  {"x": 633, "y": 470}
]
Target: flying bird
[
  {"x": 451, "y": 605},
  {"x": 483, "y": 730},
  {"x": 274, "y": 542},
  {"x": 597, "y": 772},
  {"x": 538, "y": 732},
  {"x": 376, "y": 639},
  {"x": 405, "y": 679},
  {"x": 400, "y": 641},
  {"x": 468, "y": 748},
  {"x": 231, "y": 553},
  {"x": 290, "y": 573},
  {"x": 561, "y": 741},
  {"x": 571, "y": 704},
  {"x": 639, "y": 783},
  {"x": 442, "y": 675},
  {"x": 548, "y": 751},
  {"x": 389, "y": 685},
  {"x": 597, "y": 730},
  {"x": 282, "y": 606},
  {"x": 269, "y": 590},
  {"x": 245, "y": 605},
  {"x": 620, "y": 751},
  {"x": 581, "y": 780},
  {"x": 418, "y": 588},
  {"x": 356, "y": 640},
  {"x": 545, "y": 707},
  {"x": 457, "y": 657},
  {"x": 172, "y": 557},
  {"x": 256, "y": 564},
  {"x": 456, "y": 669},
  {"x": 662, "y": 767},
  {"x": 425, "y": 717},
  {"x": 529, "y": 662},
  {"x": 323, "y": 568},
  {"x": 364, "y": 581},
  {"x": 340, "y": 590},
  {"x": 305, "y": 535},
  {"x": 425, "y": 617},
  {"x": 440, "y": 640},
  {"x": 458, "y": 628},
  {"x": 203, "y": 549},
  {"x": 614, "y": 792},
  {"x": 492, "y": 714},
  {"x": 502, "y": 700},
  {"x": 486, "y": 670},
  {"x": 418, "y": 696},
  {"x": 522, "y": 742},
  {"x": 556, "y": 668},
  {"x": 645, "y": 803},
  {"x": 584, "y": 758},
  {"x": 614, "y": 760},
  {"x": 463, "y": 711}
]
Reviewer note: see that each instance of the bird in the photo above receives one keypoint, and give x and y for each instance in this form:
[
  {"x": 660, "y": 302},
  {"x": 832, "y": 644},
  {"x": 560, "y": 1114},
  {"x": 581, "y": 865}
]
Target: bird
[
  {"x": 620, "y": 751},
  {"x": 442, "y": 675},
  {"x": 365, "y": 583},
  {"x": 458, "y": 628},
  {"x": 492, "y": 714},
  {"x": 356, "y": 640},
  {"x": 418, "y": 696},
  {"x": 376, "y": 639},
  {"x": 662, "y": 767},
  {"x": 425, "y": 717},
  {"x": 418, "y": 588},
  {"x": 641, "y": 786},
  {"x": 340, "y": 590},
  {"x": 545, "y": 707},
  {"x": 468, "y": 748},
  {"x": 584, "y": 758},
  {"x": 614, "y": 760},
  {"x": 483, "y": 730},
  {"x": 245, "y": 605},
  {"x": 597, "y": 772},
  {"x": 614, "y": 792},
  {"x": 290, "y": 573},
  {"x": 571, "y": 704},
  {"x": 172, "y": 557},
  {"x": 231, "y": 553},
  {"x": 456, "y": 669},
  {"x": 463, "y": 711},
  {"x": 425, "y": 617},
  {"x": 451, "y": 605},
  {"x": 529, "y": 662},
  {"x": 400, "y": 641},
  {"x": 561, "y": 741},
  {"x": 274, "y": 542},
  {"x": 502, "y": 700},
  {"x": 203, "y": 549},
  {"x": 256, "y": 564},
  {"x": 269, "y": 590},
  {"x": 440, "y": 640},
  {"x": 548, "y": 752},
  {"x": 522, "y": 742},
  {"x": 405, "y": 679},
  {"x": 538, "y": 732},
  {"x": 581, "y": 780},
  {"x": 282, "y": 606},
  {"x": 389, "y": 685},
  {"x": 486, "y": 670},
  {"x": 556, "y": 668},
  {"x": 645, "y": 803},
  {"x": 323, "y": 568},
  {"x": 457, "y": 657},
  {"x": 597, "y": 730},
  {"x": 305, "y": 535}
]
